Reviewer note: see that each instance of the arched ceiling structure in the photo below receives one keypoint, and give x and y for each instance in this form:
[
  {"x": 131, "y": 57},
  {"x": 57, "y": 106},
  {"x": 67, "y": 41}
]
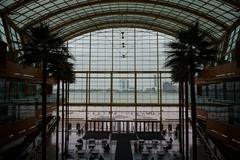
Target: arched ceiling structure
[{"x": 75, "y": 17}]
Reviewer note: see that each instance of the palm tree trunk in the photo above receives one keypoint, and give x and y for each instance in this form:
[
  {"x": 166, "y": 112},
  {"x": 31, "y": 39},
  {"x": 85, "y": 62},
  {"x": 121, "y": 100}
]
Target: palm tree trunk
[
  {"x": 57, "y": 127},
  {"x": 194, "y": 117},
  {"x": 66, "y": 117},
  {"x": 62, "y": 120},
  {"x": 68, "y": 111},
  {"x": 180, "y": 118},
  {"x": 187, "y": 120},
  {"x": 44, "y": 109}
]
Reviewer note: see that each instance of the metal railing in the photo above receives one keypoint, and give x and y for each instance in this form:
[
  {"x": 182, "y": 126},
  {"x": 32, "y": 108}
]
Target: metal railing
[
  {"x": 31, "y": 149},
  {"x": 212, "y": 149}
]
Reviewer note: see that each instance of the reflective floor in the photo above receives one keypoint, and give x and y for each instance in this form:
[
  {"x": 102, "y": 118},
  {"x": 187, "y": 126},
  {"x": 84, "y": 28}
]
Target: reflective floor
[{"x": 152, "y": 147}]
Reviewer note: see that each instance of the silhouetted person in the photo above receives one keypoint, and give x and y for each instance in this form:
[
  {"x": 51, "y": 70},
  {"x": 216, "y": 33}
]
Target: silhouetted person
[
  {"x": 135, "y": 146},
  {"x": 140, "y": 148},
  {"x": 101, "y": 158},
  {"x": 106, "y": 148},
  {"x": 91, "y": 158},
  {"x": 80, "y": 140},
  {"x": 164, "y": 132}
]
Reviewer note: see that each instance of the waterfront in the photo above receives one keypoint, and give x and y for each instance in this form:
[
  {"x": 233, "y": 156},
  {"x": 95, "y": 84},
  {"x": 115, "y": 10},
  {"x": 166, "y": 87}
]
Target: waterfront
[
  {"x": 121, "y": 110},
  {"x": 104, "y": 96}
]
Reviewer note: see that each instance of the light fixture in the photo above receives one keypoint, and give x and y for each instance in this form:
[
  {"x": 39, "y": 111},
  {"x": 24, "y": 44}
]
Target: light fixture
[
  {"x": 123, "y": 55},
  {"x": 122, "y": 35},
  {"x": 123, "y": 45}
]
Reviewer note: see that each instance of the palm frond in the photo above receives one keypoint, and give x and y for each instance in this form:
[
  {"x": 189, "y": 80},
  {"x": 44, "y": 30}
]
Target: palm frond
[{"x": 190, "y": 49}]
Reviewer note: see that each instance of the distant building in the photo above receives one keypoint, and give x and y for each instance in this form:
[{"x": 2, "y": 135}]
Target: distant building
[
  {"x": 155, "y": 81},
  {"x": 169, "y": 87},
  {"x": 123, "y": 84}
]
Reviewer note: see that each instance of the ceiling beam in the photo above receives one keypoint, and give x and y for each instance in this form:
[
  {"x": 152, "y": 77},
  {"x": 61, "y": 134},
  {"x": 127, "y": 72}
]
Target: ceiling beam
[
  {"x": 78, "y": 33},
  {"x": 235, "y": 3},
  {"x": 235, "y": 24},
  {"x": 105, "y": 25},
  {"x": 158, "y": 3},
  {"x": 178, "y": 22},
  {"x": 16, "y": 5},
  {"x": 138, "y": 13}
]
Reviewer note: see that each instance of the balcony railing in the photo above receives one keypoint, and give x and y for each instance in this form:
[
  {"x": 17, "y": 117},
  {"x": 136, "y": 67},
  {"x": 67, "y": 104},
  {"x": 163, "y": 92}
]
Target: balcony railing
[
  {"x": 220, "y": 110},
  {"x": 20, "y": 109}
]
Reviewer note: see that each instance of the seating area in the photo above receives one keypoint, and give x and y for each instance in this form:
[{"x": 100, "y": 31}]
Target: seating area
[
  {"x": 88, "y": 146},
  {"x": 120, "y": 146},
  {"x": 95, "y": 145},
  {"x": 154, "y": 149},
  {"x": 107, "y": 146}
]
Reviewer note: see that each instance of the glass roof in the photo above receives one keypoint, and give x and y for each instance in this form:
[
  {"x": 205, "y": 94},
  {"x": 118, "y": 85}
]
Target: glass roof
[
  {"x": 125, "y": 19},
  {"x": 215, "y": 16}
]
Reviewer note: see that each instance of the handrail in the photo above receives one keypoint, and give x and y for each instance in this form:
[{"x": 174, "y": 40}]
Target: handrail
[
  {"x": 205, "y": 141},
  {"x": 213, "y": 101},
  {"x": 29, "y": 148},
  {"x": 20, "y": 109}
]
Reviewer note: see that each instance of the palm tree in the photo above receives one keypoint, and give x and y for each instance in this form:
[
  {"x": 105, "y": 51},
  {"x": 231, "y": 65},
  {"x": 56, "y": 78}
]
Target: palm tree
[
  {"x": 69, "y": 78},
  {"x": 178, "y": 72},
  {"x": 41, "y": 50},
  {"x": 195, "y": 51},
  {"x": 56, "y": 71},
  {"x": 62, "y": 151},
  {"x": 62, "y": 70}
]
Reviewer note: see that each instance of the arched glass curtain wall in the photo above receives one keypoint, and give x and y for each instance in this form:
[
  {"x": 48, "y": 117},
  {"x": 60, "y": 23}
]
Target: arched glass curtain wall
[{"x": 120, "y": 75}]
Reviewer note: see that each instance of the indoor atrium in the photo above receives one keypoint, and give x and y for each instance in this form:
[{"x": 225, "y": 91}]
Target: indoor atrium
[{"x": 119, "y": 79}]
